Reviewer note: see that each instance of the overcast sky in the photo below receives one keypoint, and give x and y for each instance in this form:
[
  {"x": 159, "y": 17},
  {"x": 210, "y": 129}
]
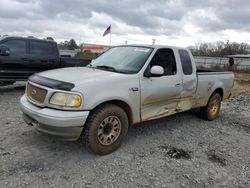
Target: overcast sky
[{"x": 170, "y": 22}]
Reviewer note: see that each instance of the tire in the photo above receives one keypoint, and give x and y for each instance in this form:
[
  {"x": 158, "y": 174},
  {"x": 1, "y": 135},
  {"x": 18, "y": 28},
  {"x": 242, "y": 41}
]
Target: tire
[
  {"x": 212, "y": 109},
  {"x": 105, "y": 129}
]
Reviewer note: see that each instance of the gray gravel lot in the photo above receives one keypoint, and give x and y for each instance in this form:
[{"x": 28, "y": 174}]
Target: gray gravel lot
[{"x": 178, "y": 151}]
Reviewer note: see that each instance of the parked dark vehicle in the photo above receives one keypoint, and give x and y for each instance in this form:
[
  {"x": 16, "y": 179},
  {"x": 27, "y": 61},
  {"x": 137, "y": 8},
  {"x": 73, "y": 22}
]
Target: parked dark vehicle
[{"x": 21, "y": 57}]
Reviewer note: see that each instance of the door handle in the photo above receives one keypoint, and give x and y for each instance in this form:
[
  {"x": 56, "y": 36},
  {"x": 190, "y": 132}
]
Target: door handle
[
  {"x": 24, "y": 59},
  {"x": 44, "y": 61},
  {"x": 52, "y": 60},
  {"x": 178, "y": 85},
  {"x": 134, "y": 89}
]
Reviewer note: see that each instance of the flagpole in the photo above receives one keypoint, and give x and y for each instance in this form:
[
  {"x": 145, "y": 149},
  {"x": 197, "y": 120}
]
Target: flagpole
[
  {"x": 108, "y": 32},
  {"x": 110, "y": 39}
]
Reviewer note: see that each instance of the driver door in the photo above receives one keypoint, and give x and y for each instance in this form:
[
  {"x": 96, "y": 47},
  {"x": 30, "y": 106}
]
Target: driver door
[
  {"x": 14, "y": 65},
  {"x": 160, "y": 95}
]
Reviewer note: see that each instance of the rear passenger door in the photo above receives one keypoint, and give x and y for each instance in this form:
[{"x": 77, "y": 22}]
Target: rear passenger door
[
  {"x": 189, "y": 79},
  {"x": 15, "y": 64},
  {"x": 43, "y": 55}
]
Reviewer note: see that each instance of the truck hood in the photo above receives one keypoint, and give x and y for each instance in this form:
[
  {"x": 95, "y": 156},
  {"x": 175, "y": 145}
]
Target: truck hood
[
  {"x": 96, "y": 86},
  {"x": 79, "y": 75}
]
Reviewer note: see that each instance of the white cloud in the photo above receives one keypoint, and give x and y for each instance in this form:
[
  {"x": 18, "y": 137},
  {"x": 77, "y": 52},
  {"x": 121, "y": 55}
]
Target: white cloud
[{"x": 171, "y": 22}]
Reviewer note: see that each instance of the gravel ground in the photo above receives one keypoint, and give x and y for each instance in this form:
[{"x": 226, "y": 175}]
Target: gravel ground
[{"x": 178, "y": 151}]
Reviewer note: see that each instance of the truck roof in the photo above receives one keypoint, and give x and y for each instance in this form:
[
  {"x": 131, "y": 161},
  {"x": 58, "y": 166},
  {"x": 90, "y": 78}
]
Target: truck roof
[
  {"x": 26, "y": 38},
  {"x": 155, "y": 46}
]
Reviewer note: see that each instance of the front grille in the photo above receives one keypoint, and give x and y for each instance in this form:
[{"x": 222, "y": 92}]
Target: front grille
[{"x": 36, "y": 94}]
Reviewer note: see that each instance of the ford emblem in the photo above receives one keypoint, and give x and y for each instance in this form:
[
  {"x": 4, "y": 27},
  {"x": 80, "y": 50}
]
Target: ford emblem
[{"x": 33, "y": 92}]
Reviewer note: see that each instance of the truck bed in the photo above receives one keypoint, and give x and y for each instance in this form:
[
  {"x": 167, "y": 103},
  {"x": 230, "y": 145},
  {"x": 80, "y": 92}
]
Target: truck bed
[
  {"x": 74, "y": 62},
  {"x": 208, "y": 81},
  {"x": 200, "y": 70}
]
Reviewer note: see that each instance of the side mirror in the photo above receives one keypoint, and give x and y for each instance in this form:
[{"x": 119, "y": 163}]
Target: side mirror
[
  {"x": 156, "y": 71},
  {"x": 4, "y": 50}
]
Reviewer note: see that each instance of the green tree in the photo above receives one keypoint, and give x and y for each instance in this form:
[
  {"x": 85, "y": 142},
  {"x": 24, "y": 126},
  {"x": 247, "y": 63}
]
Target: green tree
[
  {"x": 68, "y": 45},
  {"x": 220, "y": 49},
  {"x": 72, "y": 44}
]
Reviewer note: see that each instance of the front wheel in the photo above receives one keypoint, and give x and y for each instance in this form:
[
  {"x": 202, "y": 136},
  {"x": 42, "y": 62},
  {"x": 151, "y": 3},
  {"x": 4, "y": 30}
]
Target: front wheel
[
  {"x": 105, "y": 129},
  {"x": 212, "y": 109}
]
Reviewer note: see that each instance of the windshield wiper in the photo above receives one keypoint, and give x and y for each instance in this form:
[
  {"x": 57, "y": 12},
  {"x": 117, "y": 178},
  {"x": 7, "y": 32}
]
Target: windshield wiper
[{"x": 107, "y": 68}]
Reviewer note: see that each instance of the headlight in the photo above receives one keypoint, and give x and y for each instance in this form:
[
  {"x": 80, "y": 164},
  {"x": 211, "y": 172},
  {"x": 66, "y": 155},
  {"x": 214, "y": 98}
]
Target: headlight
[{"x": 66, "y": 100}]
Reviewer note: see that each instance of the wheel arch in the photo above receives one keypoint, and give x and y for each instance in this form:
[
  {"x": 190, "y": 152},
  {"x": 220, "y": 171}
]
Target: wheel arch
[
  {"x": 125, "y": 106},
  {"x": 219, "y": 91}
]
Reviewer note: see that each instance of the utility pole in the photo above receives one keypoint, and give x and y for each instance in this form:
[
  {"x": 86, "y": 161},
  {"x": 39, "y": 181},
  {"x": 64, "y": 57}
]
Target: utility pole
[
  {"x": 80, "y": 38},
  {"x": 153, "y": 41}
]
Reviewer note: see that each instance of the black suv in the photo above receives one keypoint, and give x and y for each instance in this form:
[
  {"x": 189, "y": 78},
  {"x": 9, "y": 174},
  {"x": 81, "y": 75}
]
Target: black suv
[{"x": 21, "y": 57}]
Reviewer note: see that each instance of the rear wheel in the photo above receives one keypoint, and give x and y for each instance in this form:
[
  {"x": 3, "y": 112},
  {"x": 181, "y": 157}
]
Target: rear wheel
[
  {"x": 105, "y": 129},
  {"x": 212, "y": 109}
]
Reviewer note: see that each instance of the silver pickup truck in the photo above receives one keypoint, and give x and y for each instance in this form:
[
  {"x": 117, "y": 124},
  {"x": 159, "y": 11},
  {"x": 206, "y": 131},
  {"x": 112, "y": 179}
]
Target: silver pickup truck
[{"x": 124, "y": 86}]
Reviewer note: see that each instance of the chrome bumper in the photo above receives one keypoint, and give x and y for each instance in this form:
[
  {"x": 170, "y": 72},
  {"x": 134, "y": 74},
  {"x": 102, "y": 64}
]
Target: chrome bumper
[{"x": 67, "y": 125}]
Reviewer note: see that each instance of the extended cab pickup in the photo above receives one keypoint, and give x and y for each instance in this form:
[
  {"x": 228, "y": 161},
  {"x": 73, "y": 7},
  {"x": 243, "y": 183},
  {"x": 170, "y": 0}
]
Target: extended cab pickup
[
  {"x": 124, "y": 86},
  {"x": 21, "y": 57}
]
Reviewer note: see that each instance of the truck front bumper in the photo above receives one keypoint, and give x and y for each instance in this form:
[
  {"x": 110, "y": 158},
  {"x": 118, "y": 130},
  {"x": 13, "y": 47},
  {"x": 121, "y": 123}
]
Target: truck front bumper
[{"x": 66, "y": 125}]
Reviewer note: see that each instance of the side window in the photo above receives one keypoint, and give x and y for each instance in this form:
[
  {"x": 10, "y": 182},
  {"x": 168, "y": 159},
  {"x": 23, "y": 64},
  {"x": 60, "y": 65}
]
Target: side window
[
  {"x": 16, "y": 46},
  {"x": 166, "y": 59},
  {"x": 42, "y": 48},
  {"x": 186, "y": 62}
]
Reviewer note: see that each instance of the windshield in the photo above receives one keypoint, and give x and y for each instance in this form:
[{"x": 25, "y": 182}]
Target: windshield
[{"x": 123, "y": 59}]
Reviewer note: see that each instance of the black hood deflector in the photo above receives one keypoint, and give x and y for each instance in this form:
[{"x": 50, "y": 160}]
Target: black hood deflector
[{"x": 51, "y": 83}]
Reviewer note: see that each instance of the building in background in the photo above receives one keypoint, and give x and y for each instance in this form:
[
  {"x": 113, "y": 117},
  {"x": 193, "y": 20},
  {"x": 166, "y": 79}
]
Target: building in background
[
  {"x": 94, "y": 48},
  {"x": 85, "y": 51},
  {"x": 69, "y": 53}
]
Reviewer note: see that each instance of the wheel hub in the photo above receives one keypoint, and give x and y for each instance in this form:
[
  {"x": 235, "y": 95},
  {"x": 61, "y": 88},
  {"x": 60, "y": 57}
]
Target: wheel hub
[
  {"x": 107, "y": 129},
  {"x": 214, "y": 107}
]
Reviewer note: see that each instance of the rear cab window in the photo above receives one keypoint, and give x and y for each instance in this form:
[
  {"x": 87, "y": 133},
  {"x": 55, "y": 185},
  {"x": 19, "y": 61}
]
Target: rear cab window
[
  {"x": 186, "y": 62},
  {"x": 41, "y": 48}
]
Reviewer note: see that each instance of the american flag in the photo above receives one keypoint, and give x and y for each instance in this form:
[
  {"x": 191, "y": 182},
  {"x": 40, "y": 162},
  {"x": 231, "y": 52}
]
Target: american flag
[{"x": 107, "y": 31}]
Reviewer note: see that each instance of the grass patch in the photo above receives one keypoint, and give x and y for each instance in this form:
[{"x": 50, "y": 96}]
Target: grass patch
[
  {"x": 241, "y": 84},
  {"x": 242, "y": 77}
]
